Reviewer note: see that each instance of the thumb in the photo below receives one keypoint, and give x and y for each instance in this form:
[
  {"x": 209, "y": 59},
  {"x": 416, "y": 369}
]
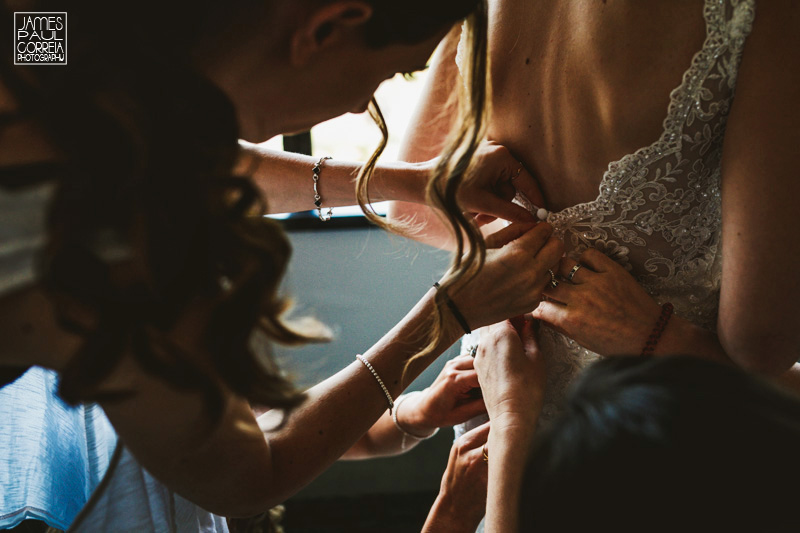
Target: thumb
[
  {"x": 510, "y": 233},
  {"x": 528, "y": 186},
  {"x": 535, "y": 239},
  {"x": 501, "y": 208}
]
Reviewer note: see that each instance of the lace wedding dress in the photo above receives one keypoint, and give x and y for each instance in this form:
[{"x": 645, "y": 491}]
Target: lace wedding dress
[{"x": 658, "y": 210}]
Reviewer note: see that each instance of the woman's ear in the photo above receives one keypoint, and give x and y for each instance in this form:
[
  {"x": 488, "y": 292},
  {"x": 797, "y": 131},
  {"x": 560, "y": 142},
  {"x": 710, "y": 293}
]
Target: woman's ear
[{"x": 327, "y": 26}]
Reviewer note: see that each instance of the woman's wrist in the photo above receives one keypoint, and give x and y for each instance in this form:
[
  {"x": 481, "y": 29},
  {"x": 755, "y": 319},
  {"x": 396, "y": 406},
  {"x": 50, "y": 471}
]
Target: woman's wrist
[
  {"x": 413, "y": 418},
  {"x": 446, "y": 516},
  {"x": 681, "y": 337},
  {"x": 403, "y": 182},
  {"x": 514, "y": 430},
  {"x": 507, "y": 449},
  {"x": 451, "y": 327}
]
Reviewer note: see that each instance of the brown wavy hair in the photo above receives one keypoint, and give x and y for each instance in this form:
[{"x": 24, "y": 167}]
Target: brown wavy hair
[{"x": 148, "y": 225}]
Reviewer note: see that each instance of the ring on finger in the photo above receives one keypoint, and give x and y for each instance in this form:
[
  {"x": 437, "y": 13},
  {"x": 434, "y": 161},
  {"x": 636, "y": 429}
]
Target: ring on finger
[
  {"x": 572, "y": 272},
  {"x": 485, "y": 454},
  {"x": 553, "y": 280},
  {"x": 519, "y": 171}
]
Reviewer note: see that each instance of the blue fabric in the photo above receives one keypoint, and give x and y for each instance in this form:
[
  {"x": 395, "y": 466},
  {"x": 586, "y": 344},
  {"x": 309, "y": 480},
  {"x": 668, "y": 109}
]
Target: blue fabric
[
  {"x": 54, "y": 455},
  {"x": 133, "y": 501}
]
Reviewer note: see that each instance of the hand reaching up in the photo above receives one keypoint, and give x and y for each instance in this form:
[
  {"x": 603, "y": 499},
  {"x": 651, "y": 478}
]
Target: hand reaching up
[
  {"x": 461, "y": 502},
  {"x": 511, "y": 373}
]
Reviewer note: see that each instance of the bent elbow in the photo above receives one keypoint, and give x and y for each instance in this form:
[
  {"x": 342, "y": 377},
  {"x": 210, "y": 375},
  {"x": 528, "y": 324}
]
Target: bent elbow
[
  {"x": 247, "y": 500},
  {"x": 763, "y": 352}
]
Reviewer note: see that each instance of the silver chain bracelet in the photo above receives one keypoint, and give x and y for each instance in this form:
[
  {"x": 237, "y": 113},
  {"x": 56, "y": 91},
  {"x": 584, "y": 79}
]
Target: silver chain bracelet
[{"x": 317, "y": 168}]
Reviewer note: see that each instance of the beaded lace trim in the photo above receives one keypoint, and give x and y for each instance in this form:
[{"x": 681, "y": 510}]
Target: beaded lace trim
[{"x": 658, "y": 210}]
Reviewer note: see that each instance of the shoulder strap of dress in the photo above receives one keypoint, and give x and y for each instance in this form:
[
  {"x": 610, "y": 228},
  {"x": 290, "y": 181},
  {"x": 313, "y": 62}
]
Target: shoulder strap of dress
[
  {"x": 99, "y": 491},
  {"x": 736, "y": 20}
]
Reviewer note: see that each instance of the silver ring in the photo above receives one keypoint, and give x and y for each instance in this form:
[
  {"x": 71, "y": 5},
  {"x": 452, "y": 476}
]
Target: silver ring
[
  {"x": 553, "y": 280},
  {"x": 473, "y": 351},
  {"x": 571, "y": 274}
]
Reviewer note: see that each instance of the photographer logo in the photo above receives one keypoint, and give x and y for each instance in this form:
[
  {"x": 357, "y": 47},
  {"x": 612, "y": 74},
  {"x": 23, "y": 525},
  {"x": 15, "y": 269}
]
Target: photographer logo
[{"x": 40, "y": 38}]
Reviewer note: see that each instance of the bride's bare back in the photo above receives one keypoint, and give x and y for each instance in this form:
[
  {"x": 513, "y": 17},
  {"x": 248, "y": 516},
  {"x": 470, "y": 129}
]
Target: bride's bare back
[
  {"x": 583, "y": 83},
  {"x": 605, "y": 102}
]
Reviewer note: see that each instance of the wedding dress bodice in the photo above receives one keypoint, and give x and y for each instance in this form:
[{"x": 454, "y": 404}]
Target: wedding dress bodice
[{"x": 658, "y": 210}]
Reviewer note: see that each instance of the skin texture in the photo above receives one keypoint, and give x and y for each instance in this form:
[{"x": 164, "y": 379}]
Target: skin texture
[{"x": 588, "y": 82}]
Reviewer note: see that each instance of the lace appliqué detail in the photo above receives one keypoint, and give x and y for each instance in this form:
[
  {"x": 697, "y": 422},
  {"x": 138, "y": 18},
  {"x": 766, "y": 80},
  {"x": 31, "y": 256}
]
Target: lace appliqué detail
[{"x": 658, "y": 210}]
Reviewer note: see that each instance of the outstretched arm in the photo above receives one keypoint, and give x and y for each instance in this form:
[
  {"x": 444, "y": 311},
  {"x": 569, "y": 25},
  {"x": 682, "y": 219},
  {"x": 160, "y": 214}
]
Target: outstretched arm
[
  {"x": 448, "y": 401},
  {"x": 232, "y": 467},
  {"x": 285, "y": 179},
  {"x": 512, "y": 375},
  {"x": 461, "y": 502}
]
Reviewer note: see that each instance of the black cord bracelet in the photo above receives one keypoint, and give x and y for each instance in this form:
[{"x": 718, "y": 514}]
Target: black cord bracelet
[{"x": 453, "y": 309}]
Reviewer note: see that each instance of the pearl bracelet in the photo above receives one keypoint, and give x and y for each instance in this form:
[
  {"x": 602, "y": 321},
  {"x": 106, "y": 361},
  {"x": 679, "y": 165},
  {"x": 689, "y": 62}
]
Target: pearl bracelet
[
  {"x": 378, "y": 379},
  {"x": 401, "y": 429}
]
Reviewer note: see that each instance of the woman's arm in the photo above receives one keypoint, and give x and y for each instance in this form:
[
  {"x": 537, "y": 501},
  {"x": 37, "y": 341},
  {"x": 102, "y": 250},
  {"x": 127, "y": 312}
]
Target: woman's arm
[
  {"x": 605, "y": 310},
  {"x": 461, "y": 502},
  {"x": 285, "y": 178},
  {"x": 759, "y": 326},
  {"x": 342, "y": 408},
  {"x": 286, "y": 181},
  {"x": 231, "y": 468},
  {"x": 512, "y": 375},
  {"x": 448, "y": 401},
  {"x": 242, "y": 466}
]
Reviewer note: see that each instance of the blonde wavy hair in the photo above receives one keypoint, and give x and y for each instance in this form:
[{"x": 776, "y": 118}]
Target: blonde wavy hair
[{"x": 451, "y": 171}]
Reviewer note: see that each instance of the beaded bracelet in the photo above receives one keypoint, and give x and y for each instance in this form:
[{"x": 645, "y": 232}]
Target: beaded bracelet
[
  {"x": 401, "y": 429},
  {"x": 655, "y": 335},
  {"x": 378, "y": 379},
  {"x": 453, "y": 309}
]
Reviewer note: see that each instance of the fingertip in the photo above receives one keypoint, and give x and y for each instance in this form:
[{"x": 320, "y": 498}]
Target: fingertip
[{"x": 519, "y": 214}]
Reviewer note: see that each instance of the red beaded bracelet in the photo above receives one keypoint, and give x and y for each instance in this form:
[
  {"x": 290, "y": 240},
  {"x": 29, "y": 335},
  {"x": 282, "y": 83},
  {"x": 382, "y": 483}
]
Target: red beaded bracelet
[{"x": 661, "y": 323}]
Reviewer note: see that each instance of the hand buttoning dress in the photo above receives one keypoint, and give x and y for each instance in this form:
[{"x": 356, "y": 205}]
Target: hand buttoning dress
[{"x": 658, "y": 210}]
